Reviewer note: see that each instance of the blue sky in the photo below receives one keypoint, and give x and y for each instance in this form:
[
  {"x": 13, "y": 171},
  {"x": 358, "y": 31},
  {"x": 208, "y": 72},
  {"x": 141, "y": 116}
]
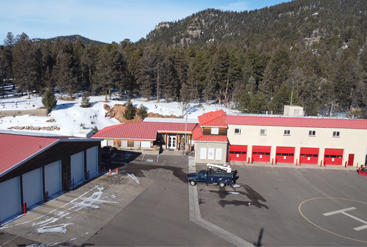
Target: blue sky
[{"x": 104, "y": 20}]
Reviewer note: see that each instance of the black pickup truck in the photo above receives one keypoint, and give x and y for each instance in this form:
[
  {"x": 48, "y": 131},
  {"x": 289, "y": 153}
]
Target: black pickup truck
[{"x": 211, "y": 176}]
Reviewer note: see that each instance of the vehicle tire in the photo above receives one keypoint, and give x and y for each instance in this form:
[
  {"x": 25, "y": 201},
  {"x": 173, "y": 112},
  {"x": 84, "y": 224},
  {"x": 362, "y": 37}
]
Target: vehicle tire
[
  {"x": 192, "y": 182},
  {"x": 222, "y": 185}
]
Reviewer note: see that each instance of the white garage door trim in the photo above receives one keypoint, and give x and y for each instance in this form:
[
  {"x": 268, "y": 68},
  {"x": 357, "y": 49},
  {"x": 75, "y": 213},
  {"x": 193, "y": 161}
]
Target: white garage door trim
[
  {"x": 77, "y": 169},
  {"x": 92, "y": 162},
  {"x": 32, "y": 187},
  {"x": 53, "y": 178},
  {"x": 11, "y": 206}
]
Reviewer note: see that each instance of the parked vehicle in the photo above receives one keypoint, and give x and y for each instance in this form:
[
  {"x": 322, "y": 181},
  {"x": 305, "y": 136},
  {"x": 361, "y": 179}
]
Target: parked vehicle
[
  {"x": 221, "y": 177},
  {"x": 362, "y": 171}
]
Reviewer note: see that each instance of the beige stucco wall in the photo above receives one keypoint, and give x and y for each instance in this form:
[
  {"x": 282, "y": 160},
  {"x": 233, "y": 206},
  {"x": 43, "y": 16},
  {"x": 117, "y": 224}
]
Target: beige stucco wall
[
  {"x": 215, "y": 146},
  {"x": 353, "y": 141}
]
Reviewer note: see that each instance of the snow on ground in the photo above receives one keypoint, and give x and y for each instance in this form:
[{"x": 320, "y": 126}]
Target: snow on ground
[{"x": 74, "y": 120}]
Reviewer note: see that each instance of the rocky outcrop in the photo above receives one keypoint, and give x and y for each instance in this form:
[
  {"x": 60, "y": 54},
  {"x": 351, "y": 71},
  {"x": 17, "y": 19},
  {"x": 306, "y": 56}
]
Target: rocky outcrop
[
  {"x": 117, "y": 111},
  {"x": 48, "y": 128}
]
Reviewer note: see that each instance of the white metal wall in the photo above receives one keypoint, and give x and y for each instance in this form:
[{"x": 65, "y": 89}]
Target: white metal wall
[
  {"x": 32, "y": 187},
  {"x": 77, "y": 168},
  {"x": 53, "y": 178},
  {"x": 10, "y": 202},
  {"x": 92, "y": 162}
]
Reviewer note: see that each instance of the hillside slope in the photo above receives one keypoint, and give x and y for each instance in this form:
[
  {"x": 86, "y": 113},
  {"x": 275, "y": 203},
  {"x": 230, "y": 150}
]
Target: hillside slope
[{"x": 289, "y": 22}]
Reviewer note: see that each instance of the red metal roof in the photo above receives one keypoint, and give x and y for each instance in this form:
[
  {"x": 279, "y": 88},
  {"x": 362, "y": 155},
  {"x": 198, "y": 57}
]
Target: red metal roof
[
  {"x": 199, "y": 136},
  {"x": 298, "y": 122},
  {"x": 213, "y": 119},
  {"x": 142, "y": 130},
  {"x": 17, "y": 148}
]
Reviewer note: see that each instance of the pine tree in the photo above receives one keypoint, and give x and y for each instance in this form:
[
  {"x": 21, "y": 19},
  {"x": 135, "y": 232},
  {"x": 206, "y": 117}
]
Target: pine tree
[
  {"x": 49, "y": 100},
  {"x": 67, "y": 70},
  {"x": 85, "y": 101},
  {"x": 26, "y": 65},
  {"x": 244, "y": 102},
  {"x": 129, "y": 111},
  {"x": 142, "y": 112}
]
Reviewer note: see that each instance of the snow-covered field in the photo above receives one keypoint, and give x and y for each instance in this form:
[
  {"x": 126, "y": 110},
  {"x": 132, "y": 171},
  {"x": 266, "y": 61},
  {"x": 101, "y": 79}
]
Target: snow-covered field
[{"x": 74, "y": 120}]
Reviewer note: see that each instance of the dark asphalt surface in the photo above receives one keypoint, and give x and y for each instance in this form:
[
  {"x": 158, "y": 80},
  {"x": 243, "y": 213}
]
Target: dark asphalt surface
[
  {"x": 160, "y": 215},
  {"x": 267, "y": 209}
]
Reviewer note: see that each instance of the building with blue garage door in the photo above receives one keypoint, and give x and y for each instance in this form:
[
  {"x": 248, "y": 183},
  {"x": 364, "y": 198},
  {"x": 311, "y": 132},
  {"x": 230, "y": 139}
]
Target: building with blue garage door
[{"x": 35, "y": 168}]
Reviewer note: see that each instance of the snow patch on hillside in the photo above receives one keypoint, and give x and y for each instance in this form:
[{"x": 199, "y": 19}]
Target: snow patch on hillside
[{"x": 74, "y": 120}]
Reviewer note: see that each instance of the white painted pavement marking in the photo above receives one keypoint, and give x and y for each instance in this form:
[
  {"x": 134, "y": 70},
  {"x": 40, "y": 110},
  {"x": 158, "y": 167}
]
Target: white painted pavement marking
[
  {"x": 195, "y": 215},
  {"x": 339, "y": 211},
  {"x": 344, "y": 211}
]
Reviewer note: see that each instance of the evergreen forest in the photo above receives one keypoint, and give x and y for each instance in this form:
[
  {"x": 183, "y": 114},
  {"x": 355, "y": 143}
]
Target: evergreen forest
[{"x": 311, "y": 53}]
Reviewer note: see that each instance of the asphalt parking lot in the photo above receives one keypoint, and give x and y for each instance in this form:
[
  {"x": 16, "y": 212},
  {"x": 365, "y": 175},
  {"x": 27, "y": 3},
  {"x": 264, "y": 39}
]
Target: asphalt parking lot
[
  {"x": 147, "y": 204},
  {"x": 290, "y": 207},
  {"x": 160, "y": 215}
]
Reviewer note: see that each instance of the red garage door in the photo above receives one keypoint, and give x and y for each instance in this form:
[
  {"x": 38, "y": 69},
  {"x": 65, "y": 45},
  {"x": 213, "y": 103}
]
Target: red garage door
[
  {"x": 333, "y": 156},
  {"x": 237, "y": 152},
  {"x": 285, "y": 155},
  {"x": 309, "y": 156},
  {"x": 261, "y": 153}
]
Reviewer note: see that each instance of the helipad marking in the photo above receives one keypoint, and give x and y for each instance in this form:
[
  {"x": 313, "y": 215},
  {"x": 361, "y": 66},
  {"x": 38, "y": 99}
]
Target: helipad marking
[
  {"x": 344, "y": 211},
  {"x": 322, "y": 228}
]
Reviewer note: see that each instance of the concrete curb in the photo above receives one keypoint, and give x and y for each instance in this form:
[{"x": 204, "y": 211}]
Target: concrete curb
[{"x": 195, "y": 215}]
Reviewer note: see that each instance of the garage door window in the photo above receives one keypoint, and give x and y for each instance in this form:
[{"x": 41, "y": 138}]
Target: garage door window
[
  {"x": 203, "y": 153},
  {"x": 218, "y": 154},
  {"x": 210, "y": 153}
]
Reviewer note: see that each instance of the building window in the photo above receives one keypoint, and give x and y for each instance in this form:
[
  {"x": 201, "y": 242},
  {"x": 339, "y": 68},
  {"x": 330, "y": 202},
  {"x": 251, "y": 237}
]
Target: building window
[
  {"x": 214, "y": 131},
  {"x": 263, "y": 132},
  {"x": 237, "y": 131},
  {"x": 336, "y": 133},
  {"x": 312, "y": 133},
  {"x": 287, "y": 132}
]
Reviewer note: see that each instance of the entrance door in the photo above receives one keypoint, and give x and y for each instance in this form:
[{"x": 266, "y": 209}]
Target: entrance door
[
  {"x": 350, "y": 159},
  {"x": 172, "y": 142}
]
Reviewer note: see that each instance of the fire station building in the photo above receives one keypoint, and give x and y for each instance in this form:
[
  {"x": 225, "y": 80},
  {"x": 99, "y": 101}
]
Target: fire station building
[{"x": 279, "y": 139}]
